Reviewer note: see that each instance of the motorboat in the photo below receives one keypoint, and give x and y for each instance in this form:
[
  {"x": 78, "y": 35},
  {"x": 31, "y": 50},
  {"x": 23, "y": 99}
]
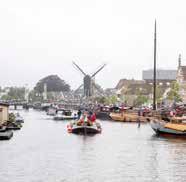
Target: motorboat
[
  {"x": 51, "y": 111},
  {"x": 19, "y": 118},
  {"x": 84, "y": 126},
  {"x": 102, "y": 112},
  {"x": 63, "y": 114},
  {"x": 13, "y": 126},
  {"x": 4, "y": 134}
]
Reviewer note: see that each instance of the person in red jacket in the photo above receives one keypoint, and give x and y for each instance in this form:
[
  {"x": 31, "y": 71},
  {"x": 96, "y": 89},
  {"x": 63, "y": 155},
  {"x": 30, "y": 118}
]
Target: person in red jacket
[{"x": 93, "y": 117}]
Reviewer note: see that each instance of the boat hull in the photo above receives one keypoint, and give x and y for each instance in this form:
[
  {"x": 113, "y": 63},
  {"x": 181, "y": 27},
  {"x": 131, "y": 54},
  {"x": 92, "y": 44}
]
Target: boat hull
[
  {"x": 13, "y": 128},
  {"x": 159, "y": 128},
  {"x": 85, "y": 130},
  {"x": 19, "y": 120},
  {"x": 103, "y": 115},
  {"x": 6, "y": 135}
]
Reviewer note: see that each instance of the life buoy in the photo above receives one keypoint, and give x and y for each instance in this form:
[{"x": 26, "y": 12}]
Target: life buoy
[{"x": 69, "y": 129}]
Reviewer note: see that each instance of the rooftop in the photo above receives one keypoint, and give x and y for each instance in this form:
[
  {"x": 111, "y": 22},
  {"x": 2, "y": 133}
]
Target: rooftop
[{"x": 160, "y": 74}]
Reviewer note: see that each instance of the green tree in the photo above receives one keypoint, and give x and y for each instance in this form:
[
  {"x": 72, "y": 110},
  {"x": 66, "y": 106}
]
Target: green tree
[
  {"x": 35, "y": 97},
  {"x": 174, "y": 92},
  {"x": 101, "y": 100},
  {"x": 141, "y": 99},
  {"x": 159, "y": 93},
  {"x": 113, "y": 99},
  {"x": 54, "y": 84},
  {"x": 15, "y": 93}
]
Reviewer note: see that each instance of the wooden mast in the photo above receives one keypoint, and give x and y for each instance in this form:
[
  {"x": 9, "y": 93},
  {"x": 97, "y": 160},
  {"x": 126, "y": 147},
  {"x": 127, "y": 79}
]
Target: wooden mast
[{"x": 154, "y": 81}]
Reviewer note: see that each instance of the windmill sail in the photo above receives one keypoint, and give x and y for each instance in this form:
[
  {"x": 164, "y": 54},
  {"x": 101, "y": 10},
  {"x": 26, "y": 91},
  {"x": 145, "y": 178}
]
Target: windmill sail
[
  {"x": 88, "y": 82},
  {"x": 98, "y": 71},
  {"x": 79, "y": 68}
]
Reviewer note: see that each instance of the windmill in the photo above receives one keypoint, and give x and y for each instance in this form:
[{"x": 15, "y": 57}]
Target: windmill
[{"x": 89, "y": 82}]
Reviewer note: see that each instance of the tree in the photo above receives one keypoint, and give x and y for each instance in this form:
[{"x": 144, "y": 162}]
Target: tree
[
  {"x": 54, "y": 84},
  {"x": 174, "y": 92},
  {"x": 141, "y": 99},
  {"x": 14, "y": 93},
  {"x": 113, "y": 99},
  {"x": 159, "y": 93},
  {"x": 101, "y": 100},
  {"x": 34, "y": 96}
]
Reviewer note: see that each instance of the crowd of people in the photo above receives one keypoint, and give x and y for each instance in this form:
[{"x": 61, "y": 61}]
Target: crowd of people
[{"x": 86, "y": 117}]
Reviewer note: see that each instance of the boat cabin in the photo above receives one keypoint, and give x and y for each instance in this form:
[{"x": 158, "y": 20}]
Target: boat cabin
[
  {"x": 104, "y": 109},
  {"x": 51, "y": 111},
  {"x": 3, "y": 113},
  {"x": 64, "y": 112}
]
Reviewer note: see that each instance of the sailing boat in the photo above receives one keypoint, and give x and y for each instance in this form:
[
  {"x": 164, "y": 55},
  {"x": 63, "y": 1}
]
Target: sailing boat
[{"x": 176, "y": 127}]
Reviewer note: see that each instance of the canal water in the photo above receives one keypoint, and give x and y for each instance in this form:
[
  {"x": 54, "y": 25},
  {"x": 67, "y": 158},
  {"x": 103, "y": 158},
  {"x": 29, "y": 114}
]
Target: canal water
[{"x": 43, "y": 151}]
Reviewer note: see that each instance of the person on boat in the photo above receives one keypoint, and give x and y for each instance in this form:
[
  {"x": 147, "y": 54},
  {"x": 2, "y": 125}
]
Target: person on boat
[
  {"x": 75, "y": 115},
  {"x": 89, "y": 115},
  {"x": 83, "y": 119},
  {"x": 172, "y": 113},
  {"x": 79, "y": 114},
  {"x": 93, "y": 117}
]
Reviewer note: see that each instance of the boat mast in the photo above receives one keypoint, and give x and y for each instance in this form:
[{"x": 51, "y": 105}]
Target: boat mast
[{"x": 154, "y": 81}]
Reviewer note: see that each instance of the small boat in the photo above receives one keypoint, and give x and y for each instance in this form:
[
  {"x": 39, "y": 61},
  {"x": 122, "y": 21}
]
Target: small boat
[
  {"x": 169, "y": 128},
  {"x": 63, "y": 114},
  {"x": 13, "y": 126},
  {"x": 2, "y": 128},
  {"x": 103, "y": 113},
  {"x": 129, "y": 114},
  {"x": 51, "y": 111},
  {"x": 128, "y": 117},
  {"x": 4, "y": 134},
  {"x": 19, "y": 118},
  {"x": 84, "y": 126}
]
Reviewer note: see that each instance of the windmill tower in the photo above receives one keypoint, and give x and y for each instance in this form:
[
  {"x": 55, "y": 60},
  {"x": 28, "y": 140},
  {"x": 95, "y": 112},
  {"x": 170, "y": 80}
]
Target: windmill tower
[{"x": 89, "y": 82}]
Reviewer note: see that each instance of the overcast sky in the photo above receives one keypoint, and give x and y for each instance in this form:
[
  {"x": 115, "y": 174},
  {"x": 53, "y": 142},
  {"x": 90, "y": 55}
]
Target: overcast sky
[{"x": 42, "y": 37}]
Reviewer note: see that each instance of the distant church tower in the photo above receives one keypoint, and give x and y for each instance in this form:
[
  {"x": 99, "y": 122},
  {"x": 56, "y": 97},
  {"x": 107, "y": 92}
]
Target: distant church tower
[{"x": 179, "y": 61}]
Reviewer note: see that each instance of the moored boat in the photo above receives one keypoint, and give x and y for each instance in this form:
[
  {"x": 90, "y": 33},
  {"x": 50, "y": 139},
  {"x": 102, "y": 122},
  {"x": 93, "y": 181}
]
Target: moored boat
[
  {"x": 4, "y": 134},
  {"x": 128, "y": 117},
  {"x": 13, "y": 126},
  {"x": 63, "y": 114},
  {"x": 19, "y": 118},
  {"x": 103, "y": 113},
  {"x": 168, "y": 128},
  {"x": 51, "y": 111}
]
